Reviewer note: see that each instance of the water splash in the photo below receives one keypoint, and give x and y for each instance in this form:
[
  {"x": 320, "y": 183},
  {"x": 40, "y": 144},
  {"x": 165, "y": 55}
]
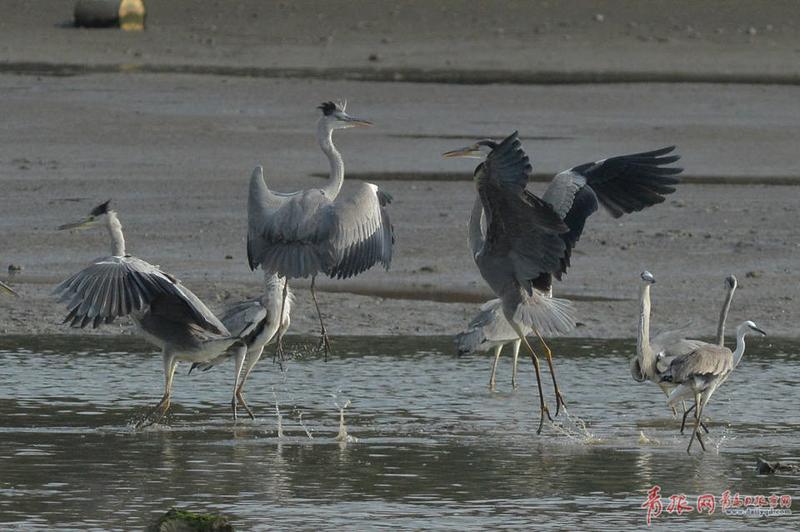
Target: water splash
[
  {"x": 647, "y": 440},
  {"x": 343, "y": 436},
  {"x": 575, "y": 429},
  {"x": 278, "y": 415},
  {"x": 303, "y": 425}
]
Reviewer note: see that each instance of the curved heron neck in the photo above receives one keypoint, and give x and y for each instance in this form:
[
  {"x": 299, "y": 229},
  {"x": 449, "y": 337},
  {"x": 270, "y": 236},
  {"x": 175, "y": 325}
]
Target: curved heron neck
[
  {"x": 475, "y": 229},
  {"x": 325, "y": 138},
  {"x": 115, "y": 232},
  {"x": 741, "y": 332},
  {"x": 723, "y": 316},
  {"x": 643, "y": 339}
]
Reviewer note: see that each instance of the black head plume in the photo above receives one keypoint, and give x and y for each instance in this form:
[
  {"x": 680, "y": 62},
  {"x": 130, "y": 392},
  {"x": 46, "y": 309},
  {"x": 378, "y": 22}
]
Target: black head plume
[
  {"x": 101, "y": 209},
  {"x": 328, "y": 108}
]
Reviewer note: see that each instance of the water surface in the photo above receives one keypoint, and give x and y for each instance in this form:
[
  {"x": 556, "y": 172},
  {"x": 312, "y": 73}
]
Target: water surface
[{"x": 429, "y": 445}]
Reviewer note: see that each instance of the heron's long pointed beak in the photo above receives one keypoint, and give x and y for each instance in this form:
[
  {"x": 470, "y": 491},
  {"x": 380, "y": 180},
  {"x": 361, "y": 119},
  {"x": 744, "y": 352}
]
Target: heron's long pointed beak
[
  {"x": 466, "y": 151},
  {"x": 759, "y": 330},
  {"x": 7, "y": 289},
  {"x": 358, "y": 122},
  {"x": 87, "y": 222}
]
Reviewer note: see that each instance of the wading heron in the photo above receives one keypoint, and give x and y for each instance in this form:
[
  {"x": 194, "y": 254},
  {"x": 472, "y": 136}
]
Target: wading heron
[
  {"x": 489, "y": 329},
  {"x": 698, "y": 374},
  {"x": 317, "y": 230},
  {"x": 654, "y": 356},
  {"x": 520, "y": 241},
  {"x": 257, "y": 323},
  {"x": 168, "y": 314}
]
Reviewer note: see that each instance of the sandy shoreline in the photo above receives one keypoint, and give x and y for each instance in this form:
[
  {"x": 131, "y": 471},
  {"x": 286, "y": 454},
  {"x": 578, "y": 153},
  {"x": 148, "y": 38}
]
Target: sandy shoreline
[{"x": 175, "y": 152}]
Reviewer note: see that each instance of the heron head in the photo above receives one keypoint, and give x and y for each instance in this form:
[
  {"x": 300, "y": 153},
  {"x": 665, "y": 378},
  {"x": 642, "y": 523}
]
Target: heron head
[
  {"x": 96, "y": 216},
  {"x": 731, "y": 282},
  {"x": 648, "y": 277},
  {"x": 479, "y": 150},
  {"x": 335, "y": 117},
  {"x": 751, "y": 326}
]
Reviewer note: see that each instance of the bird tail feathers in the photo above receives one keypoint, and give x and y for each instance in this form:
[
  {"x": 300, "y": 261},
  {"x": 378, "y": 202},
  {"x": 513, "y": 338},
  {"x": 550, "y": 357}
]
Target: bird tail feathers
[{"x": 548, "y": 315}]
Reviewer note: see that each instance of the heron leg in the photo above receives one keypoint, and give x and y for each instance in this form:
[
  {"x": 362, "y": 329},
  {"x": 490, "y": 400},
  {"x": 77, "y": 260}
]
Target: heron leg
[
  {"x": 497, "y": 350},
  {"x": 517, "y": 345},
  {"x": 535, "y": 360},
  {"x": 324, "y": 343},
  {"x": 559, "y": 398},
  {"x": 696, "y": 428},
  {"x": 251, "y": 362},
  {"x": 279, "y": 348},
  {"x": 241, "y": 353},
  {"x": 155, "y": 414},
  {"x": 686, "y": 413}
]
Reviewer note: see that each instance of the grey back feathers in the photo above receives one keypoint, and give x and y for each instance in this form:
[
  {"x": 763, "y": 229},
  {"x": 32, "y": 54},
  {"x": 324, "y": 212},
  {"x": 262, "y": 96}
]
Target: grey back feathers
[{"x": 307, "y": 233}]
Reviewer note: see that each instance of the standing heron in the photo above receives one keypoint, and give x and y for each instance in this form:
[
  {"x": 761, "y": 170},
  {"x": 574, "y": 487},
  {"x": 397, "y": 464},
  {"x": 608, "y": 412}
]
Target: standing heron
[
  {"x": 696, "y": 375},
  {"x": 257, "y": 323},
  {"x": 5, "y": 289},
  {"x": 654, "y": 356},
  {"x": 168, "y": 314},
  {"x": 313, "y": 231},
  {"x": 520, "y": 241},
  {"x": 490, "y": 330}
]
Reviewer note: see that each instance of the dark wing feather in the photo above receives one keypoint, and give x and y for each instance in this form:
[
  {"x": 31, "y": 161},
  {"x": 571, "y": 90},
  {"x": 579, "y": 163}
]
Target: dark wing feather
[
  {"x": 362, "y": 233},
  {"x": 244, "y": 317}
]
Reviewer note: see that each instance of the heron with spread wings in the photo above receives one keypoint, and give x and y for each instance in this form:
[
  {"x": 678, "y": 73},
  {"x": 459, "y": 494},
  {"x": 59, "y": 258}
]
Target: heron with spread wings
[
  {"x": 520, "y": 242},
  {"x": 316, "y": 230},
  {"x": 168, "y": 314}
]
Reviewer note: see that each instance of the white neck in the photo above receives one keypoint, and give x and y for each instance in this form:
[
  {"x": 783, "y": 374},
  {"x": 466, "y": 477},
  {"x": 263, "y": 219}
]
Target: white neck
[
  {"x": 723, "y": 315},
  {"x": 325, "y": 138},
  {"x": 475, "y": 231},
  {"x": 741, "y": 332},
  {"x": 643, "y": 349},
  {"x": 115, "y": 232}
]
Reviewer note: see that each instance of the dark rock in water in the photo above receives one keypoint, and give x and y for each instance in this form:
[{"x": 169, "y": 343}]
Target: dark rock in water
[
  {"x": 768, "y": 468},
  {"x": 184, "y": 521}
]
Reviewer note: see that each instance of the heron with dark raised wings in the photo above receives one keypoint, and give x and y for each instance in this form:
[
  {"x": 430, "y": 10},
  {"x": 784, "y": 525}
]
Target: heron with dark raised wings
[{"x": 520, "y": 242}]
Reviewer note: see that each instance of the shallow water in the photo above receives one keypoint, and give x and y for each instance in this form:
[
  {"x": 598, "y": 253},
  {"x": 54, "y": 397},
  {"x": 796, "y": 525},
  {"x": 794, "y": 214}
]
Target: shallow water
[{"x": 429, "y": 446}]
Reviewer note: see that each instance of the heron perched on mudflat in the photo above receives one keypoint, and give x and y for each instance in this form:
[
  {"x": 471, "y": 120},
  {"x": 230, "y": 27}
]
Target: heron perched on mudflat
[
  {"x": 696, "y": 375},
  {"x": 489, "y": 329},
  {"x": 520, "y": 241},
  {"x": 168, "y": 314},
  {"x": 654, "y": 356},
  {"x": 257, "y": 323},
  {"x": 5, "y": 289},
  {"x": 315, "y": 230}
]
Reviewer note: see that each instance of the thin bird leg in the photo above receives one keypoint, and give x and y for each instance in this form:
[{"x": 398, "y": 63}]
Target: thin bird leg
[
  {"x": 279, "y": 348},
  {"x": 497, "y": 350},
  {"x": 697, "y": 433},
  {"x": 695, "y": 430},
  {"x": 251, "y": 363},
  {"x": 241, "y": 352},
  {"x": 323, "y": 341},
  {"x": 535, "y": 360},
  {"x": 686, "y": 413},
  {"x": 517, "y": 345},
  {"x": 170, "y": 364},
  {"x": 559, "y": 398}
]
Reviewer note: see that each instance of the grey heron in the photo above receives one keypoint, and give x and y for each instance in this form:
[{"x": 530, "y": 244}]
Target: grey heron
[
  {"x": 489, "y": 329},
  {"x": 312, "y": 231},
  {"x": 654, "y": 356},
  {"x": 5, "y": 289},
  {"x": 696, "y": 375},
  {"x": 257, "y": 323},
  {"x": 168, "y": 314},
  {"x": 520, "y": 242}
]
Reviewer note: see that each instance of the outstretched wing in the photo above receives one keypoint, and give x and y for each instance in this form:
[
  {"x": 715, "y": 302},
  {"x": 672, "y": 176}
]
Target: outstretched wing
[
  {"x": 112, "y": 287},
  {"x": 362, "y": 234},
  {"x": 288, "y": 234},
  {"x": 244, "y": 317},
  {"x": 519, "y": 225},
  {"x": 622, "y": 184}
]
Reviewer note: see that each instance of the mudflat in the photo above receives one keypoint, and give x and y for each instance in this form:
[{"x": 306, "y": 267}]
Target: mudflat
[{"x": 170, "y": 123}]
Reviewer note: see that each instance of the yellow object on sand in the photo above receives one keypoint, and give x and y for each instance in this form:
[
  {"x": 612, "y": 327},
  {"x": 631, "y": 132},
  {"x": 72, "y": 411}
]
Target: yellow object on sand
[{"x": 131, "y": 15}]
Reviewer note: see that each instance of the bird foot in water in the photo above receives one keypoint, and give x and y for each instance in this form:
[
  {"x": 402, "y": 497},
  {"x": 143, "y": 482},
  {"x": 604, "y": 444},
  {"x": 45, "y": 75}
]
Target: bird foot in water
[
  {"x": 559, "y": 403},
  {"x": 545, "y": 412},
  {"x": 324, "y": 345}
]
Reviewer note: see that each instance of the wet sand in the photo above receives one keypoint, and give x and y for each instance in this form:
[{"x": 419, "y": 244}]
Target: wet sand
[{"x": 175, "y": 151}]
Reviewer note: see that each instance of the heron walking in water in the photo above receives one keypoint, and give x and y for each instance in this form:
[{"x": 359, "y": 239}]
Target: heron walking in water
[
  {"x": 490, "y": 330},
  {"x": 169, "y": 315},
  {"x": 5, "y": 289},
  {"x": 696, "y": 375},
  {"x": 317, "y": 230},
  {"x": 654, "y": 356},
  {"x": 520, "y": 242},
  {"x": 258, "y": 322}
]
